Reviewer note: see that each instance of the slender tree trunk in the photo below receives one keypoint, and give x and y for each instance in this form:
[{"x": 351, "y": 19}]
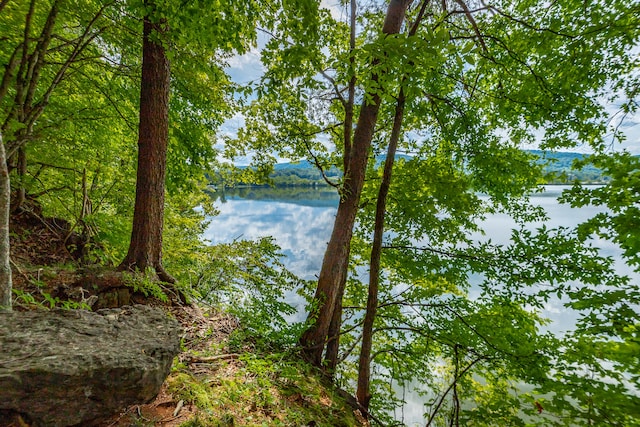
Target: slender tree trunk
[
  {"x": 26, "y": 66},
  {"x": 336, "y": 258},
  {"x": 348, "y": 107},
  {"x": 333, "y": 341},
  {"x": 145, "y": 248},
  {"x": 363, "y": 393},
  {"x": 27, "y": 76},
  {"x": 21, "y": 192},
  {"x": 5, "y": 265}
]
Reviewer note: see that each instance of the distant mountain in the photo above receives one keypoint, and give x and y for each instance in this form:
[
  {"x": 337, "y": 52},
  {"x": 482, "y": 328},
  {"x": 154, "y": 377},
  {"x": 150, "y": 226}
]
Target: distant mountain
[
  {"x": 304, "y": 196},
  {"x": 563, "y": 158},
  {"x": 302, "y": 164},
  {"x": 558, "y": 166}
]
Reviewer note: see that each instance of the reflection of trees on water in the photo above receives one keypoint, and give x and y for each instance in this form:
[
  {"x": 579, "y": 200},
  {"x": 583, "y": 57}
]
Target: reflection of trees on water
[{"x": 304, "y": 196}]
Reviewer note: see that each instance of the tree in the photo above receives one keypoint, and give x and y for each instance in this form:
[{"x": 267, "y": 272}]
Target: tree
[
  {"x": 189, "y": 28},
  {"x": 5, "y": 267},
  {"x": 39, "y": 59},
  {"x": 334, "y": 269},
  {"x": 595, "y": 270},
  {"x": 364, "y": 363},
  {"x": 481, "y": 81},
  {"x": 70, "y": 75},
  {"x": 145, "y": 248}
]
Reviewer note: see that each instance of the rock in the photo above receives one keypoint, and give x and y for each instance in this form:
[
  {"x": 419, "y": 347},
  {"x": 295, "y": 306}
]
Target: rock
[{"x": 63, "y": 368}]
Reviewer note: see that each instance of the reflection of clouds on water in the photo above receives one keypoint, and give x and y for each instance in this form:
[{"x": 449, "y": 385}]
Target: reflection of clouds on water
[{"x": 301, "y": 231}]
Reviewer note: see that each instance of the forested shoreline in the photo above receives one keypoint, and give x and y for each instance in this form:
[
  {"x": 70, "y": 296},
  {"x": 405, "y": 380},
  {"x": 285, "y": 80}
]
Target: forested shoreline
[{"x": 558, "y": 169}]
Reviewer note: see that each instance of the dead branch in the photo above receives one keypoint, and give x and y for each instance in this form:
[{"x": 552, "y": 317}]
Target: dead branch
[{"x": 208, "y": 359}]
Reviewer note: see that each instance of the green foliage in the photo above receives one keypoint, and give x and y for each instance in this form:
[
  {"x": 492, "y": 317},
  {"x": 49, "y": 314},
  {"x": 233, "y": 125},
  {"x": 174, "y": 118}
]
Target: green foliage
[
  {"x": 44, "y": 301},
  {"x": 80, "y": 122},
  {"x": 557, "y": 168},
  {"x": 248, "y": 279},
  {"x": 459, "y": 314},
  {"x": 183, "y": 246},
  {"x": 462, "y": 314},
  {"x": 145, "y": 283},
  {"x": 621, "y": 195},
  {"x": 481, "y": 351},
  {"x": 605, "y": 341}
]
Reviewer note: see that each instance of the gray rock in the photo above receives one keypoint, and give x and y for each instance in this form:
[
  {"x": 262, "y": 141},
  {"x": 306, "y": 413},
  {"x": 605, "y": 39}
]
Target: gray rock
[{"x": 63, "y": 368}]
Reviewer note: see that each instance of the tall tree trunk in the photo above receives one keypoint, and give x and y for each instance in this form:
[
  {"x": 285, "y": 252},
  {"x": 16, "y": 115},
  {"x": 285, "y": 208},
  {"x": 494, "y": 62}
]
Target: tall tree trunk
[
  {"x": 145, "y": 248},
  {"x": 5, "y": 265},
  {"x": 333, "y": 343},
  {"x": 336, "y": 258},
  {"x": 364, "y": 364}
]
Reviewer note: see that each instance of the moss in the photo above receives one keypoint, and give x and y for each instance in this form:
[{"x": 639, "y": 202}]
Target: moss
[
  {"x": 258, "y": 390},
  {"x": 188, "y": 388}
]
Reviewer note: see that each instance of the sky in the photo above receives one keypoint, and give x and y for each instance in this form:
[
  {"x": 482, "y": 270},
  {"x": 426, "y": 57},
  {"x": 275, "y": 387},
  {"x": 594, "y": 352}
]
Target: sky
[{"x": 247, "y": 68}]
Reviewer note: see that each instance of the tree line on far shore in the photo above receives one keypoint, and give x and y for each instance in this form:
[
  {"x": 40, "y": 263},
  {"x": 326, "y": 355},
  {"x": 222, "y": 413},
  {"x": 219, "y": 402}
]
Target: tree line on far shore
[{"x": 559, "y": 168}]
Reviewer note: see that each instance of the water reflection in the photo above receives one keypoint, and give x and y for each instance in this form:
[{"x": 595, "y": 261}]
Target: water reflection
[
  {"x": 304, "y": 196},
  {"x": 301, "y": 220}
]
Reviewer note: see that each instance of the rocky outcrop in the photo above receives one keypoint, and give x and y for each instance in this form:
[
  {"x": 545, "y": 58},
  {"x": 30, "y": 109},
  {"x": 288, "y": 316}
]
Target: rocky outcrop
[{"x": 63, "y": 368}]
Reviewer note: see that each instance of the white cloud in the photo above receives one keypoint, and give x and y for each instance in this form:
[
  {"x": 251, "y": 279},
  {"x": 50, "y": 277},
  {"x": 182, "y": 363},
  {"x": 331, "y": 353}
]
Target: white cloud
[
  {"x": 230, "y": 126},
  {"x": 336, "y": 9},
  {"x": 247, "y": 68}
]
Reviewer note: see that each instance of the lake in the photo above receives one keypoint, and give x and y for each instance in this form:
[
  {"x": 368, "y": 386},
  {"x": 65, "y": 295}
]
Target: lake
[{"x": 301, "y": 219}]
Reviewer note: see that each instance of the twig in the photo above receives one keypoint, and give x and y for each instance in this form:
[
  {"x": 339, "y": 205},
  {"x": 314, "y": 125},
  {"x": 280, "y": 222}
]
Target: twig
[
  {"x": 207, "y": 359},
  {"x": 19, "y": 270},
  {"x": 473, "y": 23}
]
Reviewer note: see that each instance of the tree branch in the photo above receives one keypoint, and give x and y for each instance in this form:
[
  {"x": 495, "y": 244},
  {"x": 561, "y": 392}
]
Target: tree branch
[
  {"x": 336, "y": 89},
  {"x": 8, "y": 72},
  {"x": 473, "y": 23},
  {"x": 317, "y": 163},
  {"x": 462, "y": 373},
  {"x": 527, "y": 25}
]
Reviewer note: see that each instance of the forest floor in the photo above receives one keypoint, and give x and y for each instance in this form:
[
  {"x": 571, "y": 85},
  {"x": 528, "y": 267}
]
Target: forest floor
[{"x": 216, "y": 380}]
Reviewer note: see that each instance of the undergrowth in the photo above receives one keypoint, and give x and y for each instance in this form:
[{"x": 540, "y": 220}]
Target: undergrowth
[
  {"x": 146, "y": 283},
  {"x": 254, "y": 389}
]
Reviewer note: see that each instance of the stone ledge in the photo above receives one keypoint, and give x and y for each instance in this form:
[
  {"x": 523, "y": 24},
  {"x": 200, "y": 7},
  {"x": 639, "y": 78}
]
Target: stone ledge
[{"x": 63, "y": 368}]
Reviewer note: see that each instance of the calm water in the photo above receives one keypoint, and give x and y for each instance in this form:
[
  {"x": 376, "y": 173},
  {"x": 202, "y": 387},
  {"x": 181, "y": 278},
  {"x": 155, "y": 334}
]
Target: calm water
[{"x": 300, "y": 220}]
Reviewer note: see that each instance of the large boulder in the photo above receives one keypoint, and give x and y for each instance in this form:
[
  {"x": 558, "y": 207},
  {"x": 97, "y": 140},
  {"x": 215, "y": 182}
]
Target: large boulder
[{"x": 63, "y": 368}]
